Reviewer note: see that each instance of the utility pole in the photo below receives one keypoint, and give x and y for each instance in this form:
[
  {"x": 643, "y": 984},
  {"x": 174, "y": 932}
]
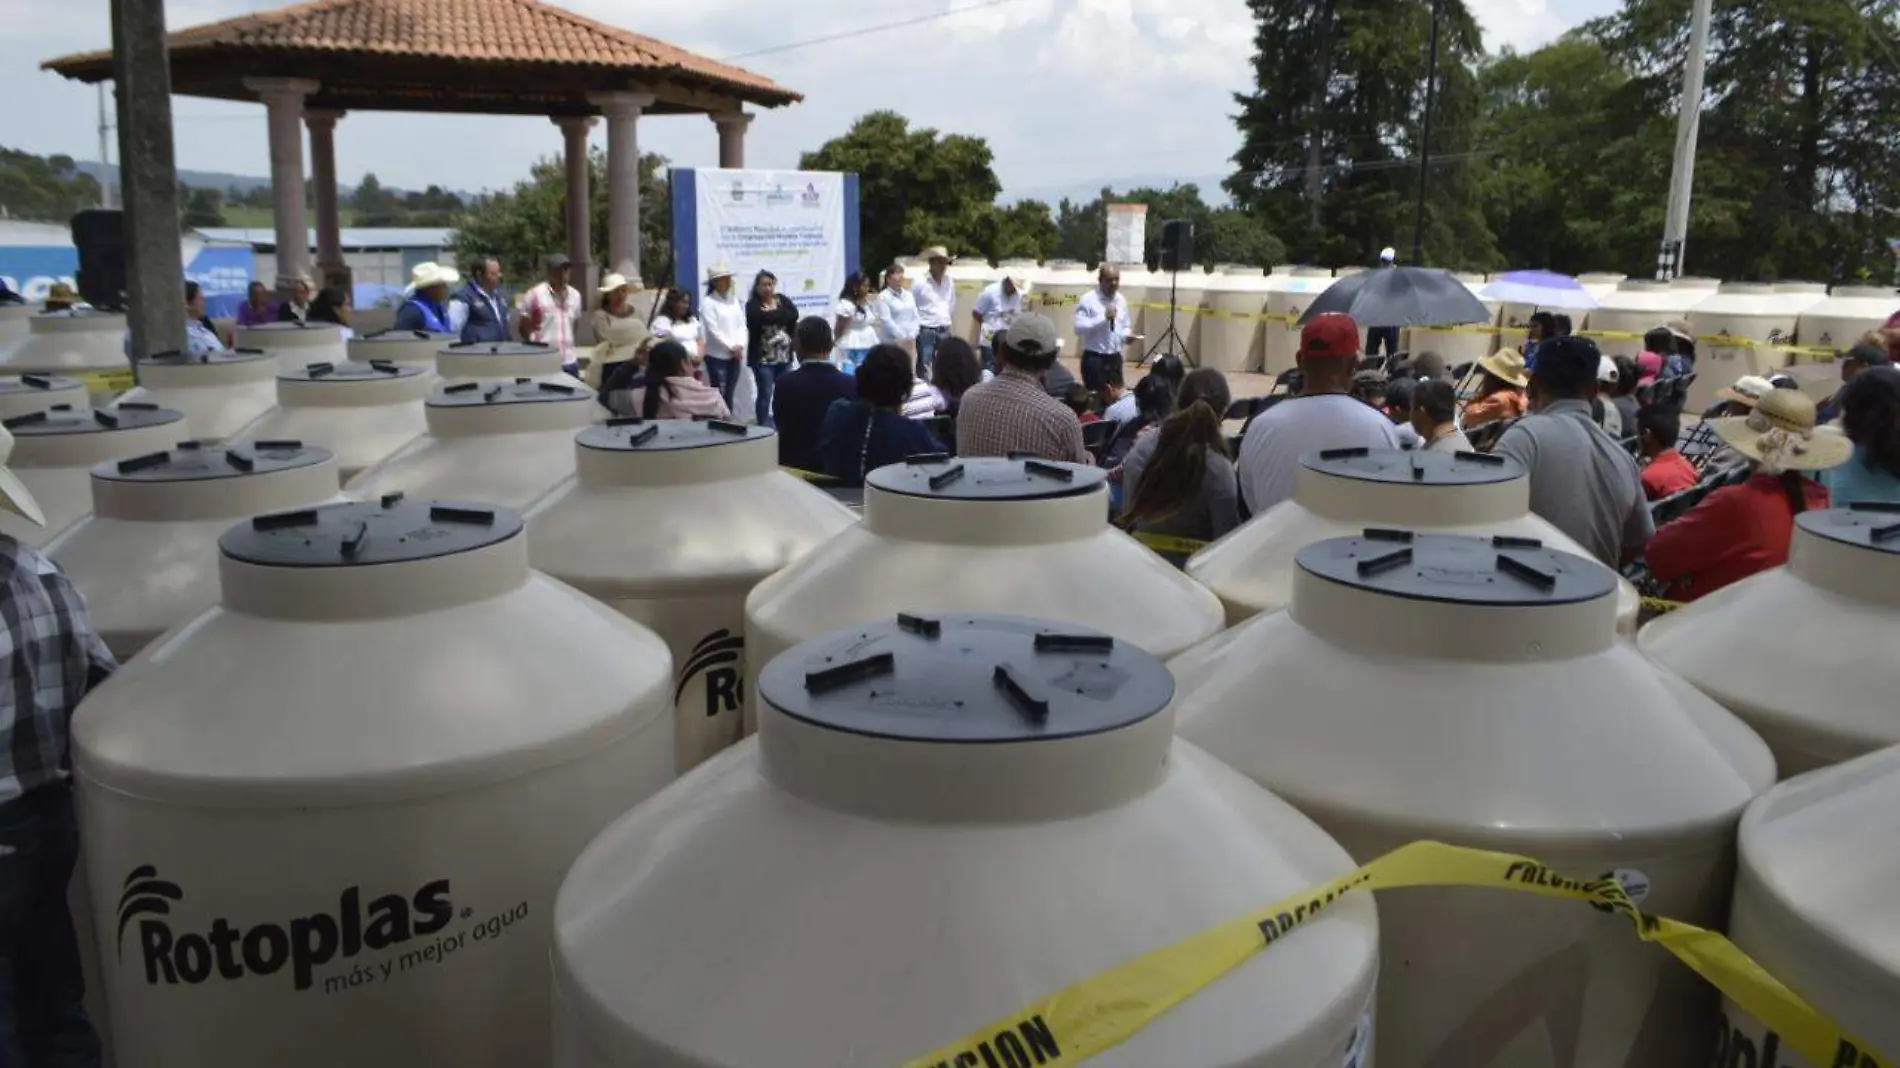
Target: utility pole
[
  {"x": 1682, "y": 176},
  {"x": 1425, "y": 147},
  {"x": 106, "y": 184},
  {"x": 148, "y": 175}
]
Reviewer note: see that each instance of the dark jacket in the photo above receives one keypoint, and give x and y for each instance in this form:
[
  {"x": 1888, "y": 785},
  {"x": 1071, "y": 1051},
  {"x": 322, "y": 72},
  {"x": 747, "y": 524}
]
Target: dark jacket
[
  {"x": 799, "y": 404},
  {"x": 769, "y": 332},
  {"x": 857, "y": 440},
  {"x": 482, "y": 324}
]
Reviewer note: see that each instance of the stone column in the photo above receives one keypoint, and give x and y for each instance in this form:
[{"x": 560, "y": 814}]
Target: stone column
[
  {"x": 283, "y": 98},
  {"x": 731, "y": 126},
  {"x": 623, "y": 179},
  {"x": 580, "y": 238},
  {"x": 154, "y": 266},
  {"x": 330, "y": 266}
]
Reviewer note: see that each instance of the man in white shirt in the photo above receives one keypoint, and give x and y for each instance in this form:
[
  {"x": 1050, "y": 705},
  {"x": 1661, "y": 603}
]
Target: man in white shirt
[
  {"x": 1325, "y": 415},
  {"x": 551, "y": 311},
  {"x": 996, "y": 307},
  {"x": 894, "y": 311},
  {"x": 1101, "y": 327},
  {"x": 936, "y": 297}
]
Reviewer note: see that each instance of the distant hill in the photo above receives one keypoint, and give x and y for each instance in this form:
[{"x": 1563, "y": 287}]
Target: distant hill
[{"x": 218, "y": 180}]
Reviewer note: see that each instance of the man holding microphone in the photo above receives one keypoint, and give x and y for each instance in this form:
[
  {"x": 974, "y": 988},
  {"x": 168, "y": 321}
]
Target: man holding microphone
[{"x": 1101, "y": 327}]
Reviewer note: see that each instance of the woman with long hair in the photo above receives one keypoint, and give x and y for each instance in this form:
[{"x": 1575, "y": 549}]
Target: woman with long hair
[
  {"x": 332, "y": 306},
  {"x": 1870, "y": 417},
  {"x": 1500, "y": 391},
  {"x": 853, "y": 322},
  {"x": 1179, "y": 482},
  {"x": 769, "y": 321},
  {"x": 860, "y": 436},
  {"x": 668, "y": 390},
  {"x": 676, "y": 321},
  {"x": 955, "y": 370}
]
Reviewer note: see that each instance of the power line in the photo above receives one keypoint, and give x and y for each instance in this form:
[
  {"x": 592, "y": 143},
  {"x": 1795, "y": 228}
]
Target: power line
[{"x": 864, "y": 31}]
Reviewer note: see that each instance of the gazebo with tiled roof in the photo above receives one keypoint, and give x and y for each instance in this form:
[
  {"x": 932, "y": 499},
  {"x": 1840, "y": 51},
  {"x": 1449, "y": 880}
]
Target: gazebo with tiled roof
[{"x": 310, "y": 63}]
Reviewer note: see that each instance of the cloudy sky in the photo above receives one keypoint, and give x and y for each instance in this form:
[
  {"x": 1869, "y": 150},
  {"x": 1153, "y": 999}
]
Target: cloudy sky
[{"x": 1071, "y": 94}]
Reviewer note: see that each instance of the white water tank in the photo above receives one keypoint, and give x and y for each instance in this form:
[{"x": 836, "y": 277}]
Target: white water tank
[
  {"x": 362, "y": 412},
  {"x": 26, "y": 394},
  {"x": 14, "y": 319},
  {"x": 143, "y": 557},
  {"x": 1060, "y": 286},
  {"x": 1636, "y": 307},
  {"x": 509, "y": 444},
  {"x": 326, "y": 819},
  {"x": 1190, "y": 301},
  {"x": 496, "y": 362},
  {"x": 294, "y": 345},
  {"x": 971, "y": 277},
  {"x": 988, "y": 535},
  {"x": 54, "y": 453},
  {"x": 1234, "y": 336},
  {"x": 1342, "y": 491},
  {"x": 75, "y": 343},
  {"x": 906, "y": 854},
  {"x": 715, "y": 516},
  {"x": 417, "y": 347},
  {"x": 1463, "y": 343},
  {"x": 1739, "y": 331},
  {"x": 1599, "y": 284},
  {"x": 1849, "y": 312},
  {"x": 1287, "y": 300},
  {"x": 1814, "y": 905},
  {"x": 1136, "y": 282},
  {"x": 1455, "y": 689},
  {"x": 220, "y": 393},
  {"x": 1803, "y": 652}
]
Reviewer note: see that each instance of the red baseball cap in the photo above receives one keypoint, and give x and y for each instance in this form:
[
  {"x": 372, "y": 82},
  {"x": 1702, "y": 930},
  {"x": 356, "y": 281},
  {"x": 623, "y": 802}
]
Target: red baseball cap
[{"x": 1330, "y": 334}]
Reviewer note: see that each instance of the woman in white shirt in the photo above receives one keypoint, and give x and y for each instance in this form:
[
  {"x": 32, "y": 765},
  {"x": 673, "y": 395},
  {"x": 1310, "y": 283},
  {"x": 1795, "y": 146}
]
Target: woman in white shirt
[
  {"x": 676, "y": 322},
  {"x": 722, "y": 332},
  {"x": 895, "y": 311},
  {"x": 853, "y": 323}
]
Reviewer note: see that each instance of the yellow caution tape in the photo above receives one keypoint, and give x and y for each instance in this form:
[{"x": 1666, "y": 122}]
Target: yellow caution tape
[
  {"x": 1100, "y": 1012},
  {"x": 1167, "y": 543},
  {"x": 808, "y": 476},
  {"x": 1659, "y": 605},
  {"x": 107, "y": 381}
]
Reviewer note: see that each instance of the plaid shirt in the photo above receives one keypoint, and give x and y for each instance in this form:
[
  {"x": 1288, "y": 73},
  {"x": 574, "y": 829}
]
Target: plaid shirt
[
  {"x": 1013, "y": 413},
  {"x": 53, "y": 658}
]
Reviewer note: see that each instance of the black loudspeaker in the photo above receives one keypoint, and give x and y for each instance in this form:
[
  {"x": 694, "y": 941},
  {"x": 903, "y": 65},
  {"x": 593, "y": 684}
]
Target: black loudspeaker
[
  {"x": 99, "y": 236},
  {"x": 1177, "y": 245}
]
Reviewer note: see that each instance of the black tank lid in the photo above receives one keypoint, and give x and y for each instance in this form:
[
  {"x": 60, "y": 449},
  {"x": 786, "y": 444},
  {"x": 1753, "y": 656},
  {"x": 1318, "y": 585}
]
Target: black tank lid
[
  {"x": 351, "y": 371},
  {"x": 392, "y": 530},
  {"x": 667, "y": 435},
  {"x": 291, "y": 327},
  {"x": 500, "y": 348},
  {"x": 520, "y": 391},
  {"x": 1496, "y": 572},
  {"x": 1401, "y": 468},
  {"x": 67, "y": 420},
  {"x": 1865, "y": 525},
  {"x": 195, "y": 461},
  {"x": 174, "y": 358},
  {"x": 951, "y": 478},
  {"x": 393, "y": 334},
  {"x": 967, "y": 678},
  {"x": 27, "y": 384}
]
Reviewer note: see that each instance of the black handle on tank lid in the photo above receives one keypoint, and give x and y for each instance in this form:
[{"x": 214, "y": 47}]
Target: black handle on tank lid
[
  {"x": 62, "y": 407},
  {"x": 1891, "y": 530},
  {"x": 1508, "y": 541},
  {"x": 625, "y": 420},
  {"x": 556, "y": 387},
  {"x": 24, "y": 420},
  {"x": 318, "y": 370},
  {"x": 641, "y": 437},
  {"x": 1385, "y": 534},
  {"x": 278, "y": 444},
  {"x": 37, "y": 381},
  {"x": 168, "y": 354},
  {"x": 1027, "y": 697},
  {"x": 1049, "y": 470},
  {"x": 105, "y": 419},
  {"x": 1512, "y": 566},
  {"x": 188, "y": 446},
  {"x": 239, "y": 460},
  {"x": 442, "y": 513},
  {"x": 391, "y": 499},
  {"x": 1373, "y": 565},
  {"x": 924, "y": 459},
  {"x": 303, "y": 517},
  {"x": 726, "y": 426},
  {"x": 946, "y": 476},
  {"x": 248, "y": 351},
  {"x": 462, "y": 387},
  {"x": 387, "y": 367},
  {"x": 144, "y": 463},
  {"x": 922, "y": 626},
  {"x": 1874, "y": 506},
  {"x": 1344, "y": 454},
  {"x": 137, "y": 406},
  {"x": 1478, "y": 458},
  {"x": 1074, "y": 643},
  {"x": 824, "y": 680},
  {"x": 489, "y": 395}
]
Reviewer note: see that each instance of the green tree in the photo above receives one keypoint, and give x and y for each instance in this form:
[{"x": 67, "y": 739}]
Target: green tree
[
  {"x": 1221, "y": 235},
  {"x": 43, "y": 188},
  {"x": 916, "y": 187},
  {"x": 523, "y": 225},
  {"x": 200, "y": 207},
  {"x": 375, "y": 205},
  {"x": 1332, "y": 132}
]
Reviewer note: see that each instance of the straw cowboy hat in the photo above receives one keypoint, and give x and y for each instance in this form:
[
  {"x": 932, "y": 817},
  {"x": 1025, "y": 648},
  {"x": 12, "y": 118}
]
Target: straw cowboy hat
[
  {"x": 1748, "y": 389},
  {"x": 424, "y": 275},
  {"x": 613, "y": 281},
  {"x": 1508, "y": 365},
  {"x": 718, "y": 271},
  {"x": 935, "y": 252},
  {"x": 1780, "y": 434},
  {"x": 14, "y": 496}
]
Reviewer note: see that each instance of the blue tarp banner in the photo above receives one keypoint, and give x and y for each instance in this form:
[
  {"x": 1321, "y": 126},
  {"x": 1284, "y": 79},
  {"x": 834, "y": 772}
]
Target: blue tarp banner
[{"x": 30, "y": 271}]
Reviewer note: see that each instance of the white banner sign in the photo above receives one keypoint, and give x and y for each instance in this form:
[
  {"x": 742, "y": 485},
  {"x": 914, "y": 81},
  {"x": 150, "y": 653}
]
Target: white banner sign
[{"x": 792, "y": 223}]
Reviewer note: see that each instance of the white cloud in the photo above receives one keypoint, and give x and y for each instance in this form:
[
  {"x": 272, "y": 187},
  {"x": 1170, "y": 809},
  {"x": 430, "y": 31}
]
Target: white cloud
[{"x": 1069, "y": 93}]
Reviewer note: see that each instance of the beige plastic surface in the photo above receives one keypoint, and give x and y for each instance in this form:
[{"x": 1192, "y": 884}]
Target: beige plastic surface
[
  {"x": 1234, "y": 336},
  {"x": 407, "y": 346},
  {"x": 1804, "y": 653},
  {"x": 147, "y": 556},
  {"x": 490, "y": 368},
  {"x": 434, "y": 741},
  {"x": 362, "y": 421},
  {"x": 1636, "y": 307},
  {"x": 68, "y": 343},
  {"x": 1137, "y": 290},
  {"x": 1814, "y": 903},
  {"x": 1532, "y": 730},
  {"x": 219, "y": 400},
  {"x": 1189, "y": 302},
  {"x": 1460, "y": 344},
  {"x": 1043, "y": 558},
  {"x": 508, "y": 454},
  {"x": 1251, "y": 570},
  {"x": 713, "y": 521},
  {"x": 27, "y": 400},
  {"x": 972, "y": 277},
  {"x": 812, "y": 898},
  {"x": 1846, "y": 315},
  {"x": 13, "y": 323},
  {"x": 294, "y": 346},
  {"x": 56, "y": 470},
  {"x": 1287, "y": 299},
  {"x": 1060, "y": 284},
  {"x": 1757, "y": 317}
]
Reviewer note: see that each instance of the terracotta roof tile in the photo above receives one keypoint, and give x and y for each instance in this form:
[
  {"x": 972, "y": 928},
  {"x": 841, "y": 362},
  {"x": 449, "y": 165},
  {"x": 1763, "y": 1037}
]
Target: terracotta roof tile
[{"x": 507, "y": 31}]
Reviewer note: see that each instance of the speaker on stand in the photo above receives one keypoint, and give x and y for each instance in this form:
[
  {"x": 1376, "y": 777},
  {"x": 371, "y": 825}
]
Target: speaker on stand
[
  {"x": 99, "y": 237},
  {"x": 1177, "y": 255}
]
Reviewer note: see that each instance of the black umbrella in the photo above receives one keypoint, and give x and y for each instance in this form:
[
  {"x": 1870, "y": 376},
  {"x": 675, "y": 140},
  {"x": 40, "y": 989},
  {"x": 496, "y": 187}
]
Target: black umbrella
[{"x": 1401, "y": 296}]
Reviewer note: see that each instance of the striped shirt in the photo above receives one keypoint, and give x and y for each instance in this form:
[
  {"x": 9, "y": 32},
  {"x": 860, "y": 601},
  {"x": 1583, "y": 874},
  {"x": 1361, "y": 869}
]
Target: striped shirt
[
  {"x": 1013, "y": 413},
  {"x": 53, "y": 658}
]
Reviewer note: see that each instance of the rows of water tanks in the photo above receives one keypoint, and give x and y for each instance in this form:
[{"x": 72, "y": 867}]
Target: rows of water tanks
[{"x": 358, "y": 746}]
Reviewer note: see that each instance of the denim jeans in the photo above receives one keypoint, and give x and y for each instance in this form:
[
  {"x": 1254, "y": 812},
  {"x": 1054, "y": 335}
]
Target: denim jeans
[
  {"x": 1382, "y": 337},
  {"x": 989, "y": 358},
  {"x": 43, "y": 1020},
  {"x": 927, "y": 339},
  {"x": 765, "y": 376},
  {"x": 723, "y": 375}
]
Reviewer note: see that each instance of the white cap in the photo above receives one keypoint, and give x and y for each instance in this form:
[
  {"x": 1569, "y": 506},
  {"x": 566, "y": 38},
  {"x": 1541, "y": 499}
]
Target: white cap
[{"x": 1388, "y": 254}]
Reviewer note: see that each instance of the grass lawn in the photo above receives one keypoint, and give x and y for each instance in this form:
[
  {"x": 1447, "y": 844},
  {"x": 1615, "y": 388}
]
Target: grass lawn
[{"x": 262, "y": 218}]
